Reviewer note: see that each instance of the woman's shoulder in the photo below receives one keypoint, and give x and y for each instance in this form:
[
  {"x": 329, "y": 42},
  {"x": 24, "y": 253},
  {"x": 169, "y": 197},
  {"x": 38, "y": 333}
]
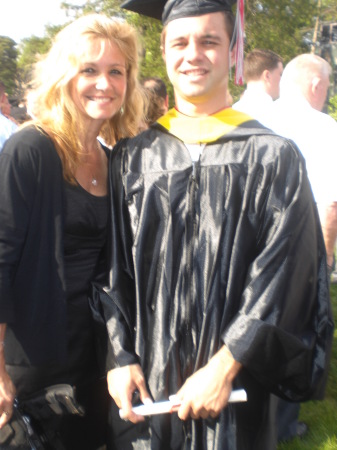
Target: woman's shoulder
[
  {"x": 31, "y": 135},
  {"x": 28, "y": 141},
  {"x": 30, "y": 149}
]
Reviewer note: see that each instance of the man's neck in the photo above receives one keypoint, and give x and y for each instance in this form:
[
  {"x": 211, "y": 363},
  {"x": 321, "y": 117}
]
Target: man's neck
[
  {"x": 200, "y": 109},
  {"x": 257, "y": 87}
]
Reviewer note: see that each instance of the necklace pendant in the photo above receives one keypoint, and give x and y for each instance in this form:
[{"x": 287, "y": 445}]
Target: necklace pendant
[{"x": 94, "y": 182}]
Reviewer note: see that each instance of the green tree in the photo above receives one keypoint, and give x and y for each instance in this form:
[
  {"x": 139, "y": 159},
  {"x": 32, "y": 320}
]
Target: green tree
[
  {"x": 332, "y": 107},
  {"x": 281, "y": 26},
  {"x": 30, "y": 49},
  {"x": 8, "y": 65},
  {"x": 152, "y": 63}
]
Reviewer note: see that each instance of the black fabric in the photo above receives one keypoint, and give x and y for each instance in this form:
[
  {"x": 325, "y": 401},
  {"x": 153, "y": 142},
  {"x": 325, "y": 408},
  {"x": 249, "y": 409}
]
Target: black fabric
[
  {"x": 228, "y": 253},
  {"x": 32, "y": 283},
  {"x": 52, "y": 245},
  {"x": 287, "y": 420},
  {"x": 176, "y": 9},
  {"x": 85, "y": 239},
  {"x": 149, "y": 8}
]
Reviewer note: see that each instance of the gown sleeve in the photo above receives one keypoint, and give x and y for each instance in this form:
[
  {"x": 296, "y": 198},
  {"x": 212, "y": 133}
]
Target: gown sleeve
[
  {"x": 117, "y": 300},
  {"x": 283, "y": 330}
]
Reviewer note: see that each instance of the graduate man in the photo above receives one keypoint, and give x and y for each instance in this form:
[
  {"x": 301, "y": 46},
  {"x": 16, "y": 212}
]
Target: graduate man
[{"x": 218, "y": 271}]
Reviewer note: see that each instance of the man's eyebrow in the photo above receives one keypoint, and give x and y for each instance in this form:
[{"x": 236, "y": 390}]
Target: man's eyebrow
[
  {"x": 202, "y": 36},
  {"x": 210, "y": 36}
]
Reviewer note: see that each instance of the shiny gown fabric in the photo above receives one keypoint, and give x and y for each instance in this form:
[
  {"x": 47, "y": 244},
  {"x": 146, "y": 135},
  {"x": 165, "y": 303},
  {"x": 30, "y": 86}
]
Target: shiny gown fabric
[{"x": 228, "y": 250}]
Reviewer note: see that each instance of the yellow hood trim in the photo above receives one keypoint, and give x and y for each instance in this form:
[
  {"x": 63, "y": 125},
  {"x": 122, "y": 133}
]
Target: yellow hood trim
[{"x": 193, "y": 130}]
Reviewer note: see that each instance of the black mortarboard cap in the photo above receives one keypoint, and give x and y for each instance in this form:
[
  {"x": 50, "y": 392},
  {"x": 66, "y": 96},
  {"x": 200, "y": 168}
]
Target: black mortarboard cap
[
  {"x": 176, "y": 9},
  {"x": 149, "y": 8}
]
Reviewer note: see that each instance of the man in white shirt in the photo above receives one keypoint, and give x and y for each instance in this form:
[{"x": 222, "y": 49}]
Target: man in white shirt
[
  {"x": 262, "y": 72},
  {"x": 297, "y": 115}
]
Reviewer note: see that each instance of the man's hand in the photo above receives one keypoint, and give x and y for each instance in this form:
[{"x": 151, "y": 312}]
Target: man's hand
[
  {"x": 206, "y": 392},
  {"x": 7, "y": 395},
  {"x": 122, "y": 383}
]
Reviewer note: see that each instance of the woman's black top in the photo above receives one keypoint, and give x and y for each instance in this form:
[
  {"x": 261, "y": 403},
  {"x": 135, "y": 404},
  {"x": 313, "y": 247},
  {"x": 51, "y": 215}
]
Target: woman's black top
[{"x": 85, "y": 234}]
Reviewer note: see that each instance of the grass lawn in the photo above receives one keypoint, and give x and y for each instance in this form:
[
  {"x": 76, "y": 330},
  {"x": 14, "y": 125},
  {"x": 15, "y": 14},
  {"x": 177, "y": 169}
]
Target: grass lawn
[{"x": 321, "y": 416}]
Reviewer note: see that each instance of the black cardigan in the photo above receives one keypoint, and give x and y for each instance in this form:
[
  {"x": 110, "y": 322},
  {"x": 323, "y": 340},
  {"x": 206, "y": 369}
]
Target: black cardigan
[{"x": 32, "y": 283}]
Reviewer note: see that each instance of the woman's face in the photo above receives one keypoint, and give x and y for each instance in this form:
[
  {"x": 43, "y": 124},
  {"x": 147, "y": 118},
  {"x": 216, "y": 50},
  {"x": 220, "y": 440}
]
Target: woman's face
[{"x": 99, "y": 88}]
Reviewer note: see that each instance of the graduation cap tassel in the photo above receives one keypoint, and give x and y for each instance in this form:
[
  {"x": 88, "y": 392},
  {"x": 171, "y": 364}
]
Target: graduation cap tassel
[{"x": 239, "y": 33}]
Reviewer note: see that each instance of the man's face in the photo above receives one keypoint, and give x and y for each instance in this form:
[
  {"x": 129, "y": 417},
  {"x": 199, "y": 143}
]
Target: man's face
[
  {"x": 5, "y": 106},
  {"x": 274, "y": 79},
  {"x": 196, "y": 52}
]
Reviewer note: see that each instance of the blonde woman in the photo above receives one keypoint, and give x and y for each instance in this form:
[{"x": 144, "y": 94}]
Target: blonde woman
[{"x": 54, "y": 220}]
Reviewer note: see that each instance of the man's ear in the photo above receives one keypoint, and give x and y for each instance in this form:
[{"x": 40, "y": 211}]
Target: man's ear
[
  {"x": 266, "y": 76},
  {"x": 315, "y": 84}
]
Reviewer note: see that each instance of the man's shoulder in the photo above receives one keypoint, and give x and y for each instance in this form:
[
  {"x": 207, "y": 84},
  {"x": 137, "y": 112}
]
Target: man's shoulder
[
  {"x": 155, "y": 135},
  {"x": 327, "y": 120}
]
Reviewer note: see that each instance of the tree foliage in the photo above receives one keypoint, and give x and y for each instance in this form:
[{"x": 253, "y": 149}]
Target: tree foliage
[
  {"x": 332, "y": 107},
  {"x": 281, "y": 26},
  {"x": 8, "y": 66}
]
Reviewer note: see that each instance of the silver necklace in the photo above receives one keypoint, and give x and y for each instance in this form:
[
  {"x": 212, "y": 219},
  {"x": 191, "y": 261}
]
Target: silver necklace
[{"x": 94, "y": 180}]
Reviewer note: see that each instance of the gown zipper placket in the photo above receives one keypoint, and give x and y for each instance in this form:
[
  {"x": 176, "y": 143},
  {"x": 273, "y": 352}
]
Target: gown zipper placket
[{"x": 192, "y": 228}]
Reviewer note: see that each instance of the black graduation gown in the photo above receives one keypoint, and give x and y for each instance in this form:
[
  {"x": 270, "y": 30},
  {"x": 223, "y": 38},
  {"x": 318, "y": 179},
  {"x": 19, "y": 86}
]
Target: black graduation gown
[{"x": 228, "y": 251}]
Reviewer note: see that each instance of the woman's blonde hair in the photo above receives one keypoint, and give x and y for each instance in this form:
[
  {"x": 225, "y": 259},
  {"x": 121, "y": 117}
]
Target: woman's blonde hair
[{"x": 52, "y": 105}]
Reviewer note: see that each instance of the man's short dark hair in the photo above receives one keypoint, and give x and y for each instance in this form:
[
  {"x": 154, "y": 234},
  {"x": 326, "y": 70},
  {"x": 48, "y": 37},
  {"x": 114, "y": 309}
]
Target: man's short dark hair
[
  {"x": 259, "y": 60},
  {"x": 156, "y": 85}
]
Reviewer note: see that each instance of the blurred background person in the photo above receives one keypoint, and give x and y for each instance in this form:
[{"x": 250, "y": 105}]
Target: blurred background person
[
  {"x": 54, "y": 219},
  {"x": 6, "y": 109},
  {"x": 298, "y": 115},
  {"x": 157, "y": 101},
  {"x": 262, "y": 73},
  {"x": 7, "y": 127},
  {"x": 158, "y": 86}
]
